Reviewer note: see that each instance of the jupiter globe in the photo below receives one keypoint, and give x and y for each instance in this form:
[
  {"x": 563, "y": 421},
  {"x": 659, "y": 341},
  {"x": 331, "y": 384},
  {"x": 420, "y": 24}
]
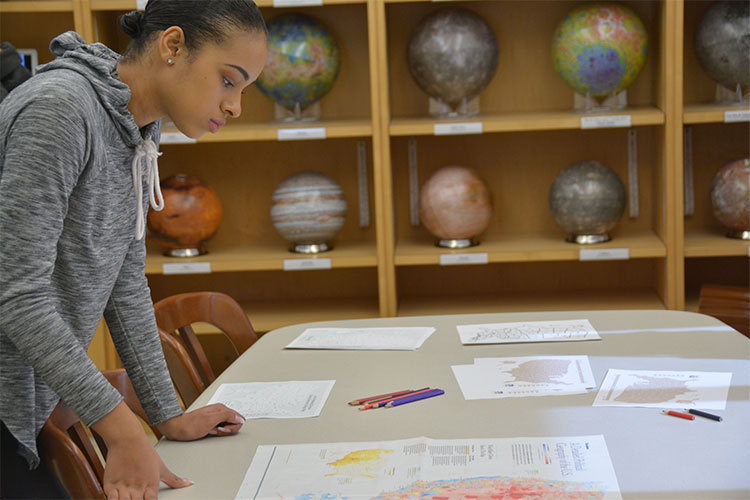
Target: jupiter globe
[
  {"x": 600, "y": 48},
  {"x": 308, "y": 209},
  {"x": 302, "y": 64}
]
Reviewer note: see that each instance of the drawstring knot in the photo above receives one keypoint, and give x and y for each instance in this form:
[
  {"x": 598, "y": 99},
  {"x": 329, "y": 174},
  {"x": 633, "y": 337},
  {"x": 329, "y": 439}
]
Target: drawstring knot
[{"x": 147, "y": 152}]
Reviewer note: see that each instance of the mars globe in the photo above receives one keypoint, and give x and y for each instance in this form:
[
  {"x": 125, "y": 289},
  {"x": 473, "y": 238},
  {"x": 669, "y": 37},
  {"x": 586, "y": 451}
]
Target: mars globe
[
  {"x": 308, "y": 209},
  {"x": 452, "y": 54},
  {"x": 587, "y": 199},
  {"x": 303, "y": 61},
  {"x": 455, "y": 205},
  {"x": 722, "y": 43},
  {"x": 599, "y": 48},
  {"x": 730, "y": 197},
  {"x": 191, "y": 216}
]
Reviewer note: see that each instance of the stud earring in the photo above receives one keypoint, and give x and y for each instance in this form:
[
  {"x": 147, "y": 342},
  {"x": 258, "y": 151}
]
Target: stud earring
[{"x": 170, "y": 61}]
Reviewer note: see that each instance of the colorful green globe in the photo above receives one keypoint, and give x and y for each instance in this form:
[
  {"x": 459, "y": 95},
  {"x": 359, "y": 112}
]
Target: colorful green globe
[
  {"x": 303, "y": 61},
  {"x": 599, "y": 49}
]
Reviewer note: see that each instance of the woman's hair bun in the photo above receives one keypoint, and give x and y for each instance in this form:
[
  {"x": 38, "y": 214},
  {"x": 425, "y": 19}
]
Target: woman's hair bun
[{"x": 132, "y": 23}]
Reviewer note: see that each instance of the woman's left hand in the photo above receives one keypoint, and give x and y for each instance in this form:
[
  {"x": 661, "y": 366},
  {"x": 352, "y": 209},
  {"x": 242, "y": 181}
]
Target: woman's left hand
[{"x": 213, "y": 420}]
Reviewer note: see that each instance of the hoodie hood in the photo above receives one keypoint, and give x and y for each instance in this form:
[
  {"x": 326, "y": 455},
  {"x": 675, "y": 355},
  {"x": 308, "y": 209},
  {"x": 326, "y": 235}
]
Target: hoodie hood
[{"x": 98, "y": 64}]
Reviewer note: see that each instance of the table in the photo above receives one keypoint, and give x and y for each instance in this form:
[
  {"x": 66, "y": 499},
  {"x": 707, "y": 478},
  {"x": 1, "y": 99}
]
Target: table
[{"x": 654, "y": 456}]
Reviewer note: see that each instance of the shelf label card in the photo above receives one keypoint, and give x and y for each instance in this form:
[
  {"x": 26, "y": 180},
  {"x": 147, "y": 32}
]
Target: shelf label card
[
  {"x": 296, "y": 3},
  {"x": 175, "y": 138},
  {"x": 140, "y": 4},
  {"x": 297, "y": 134},
  {"x": 737, "y": 116},
  {"x": 187, "y": 268},
  {"x": 604, "y": 254},
  {"x": 306, "y": 264},
  {"x": 458, "y": 259},
  {"x": 607, "y": 121},
  {"x": 458, "y": 128}
]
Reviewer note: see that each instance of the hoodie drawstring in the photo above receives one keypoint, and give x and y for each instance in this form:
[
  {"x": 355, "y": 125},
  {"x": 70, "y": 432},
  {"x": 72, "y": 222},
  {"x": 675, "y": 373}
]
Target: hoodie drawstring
[{"x": 146, "y": 151}]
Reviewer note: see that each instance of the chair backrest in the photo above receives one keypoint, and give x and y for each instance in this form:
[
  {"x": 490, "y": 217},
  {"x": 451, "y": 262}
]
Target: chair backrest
[
  {"x": 185, "y": 375},
  {"x": 730, "y": 304},
  {"x": 175, "y": 316},
  {"x": 70, "y": 453}
]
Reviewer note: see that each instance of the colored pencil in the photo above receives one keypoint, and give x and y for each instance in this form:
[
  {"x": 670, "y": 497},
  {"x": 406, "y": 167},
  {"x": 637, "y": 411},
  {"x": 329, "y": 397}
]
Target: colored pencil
[
  {"x": 414, "y": 397},
  {"x": 382, "y": 402},
  {"x": 370, "y": 399}
]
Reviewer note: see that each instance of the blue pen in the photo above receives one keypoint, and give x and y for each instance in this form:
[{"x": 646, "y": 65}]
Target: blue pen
[{"x": 415, "y": 397}]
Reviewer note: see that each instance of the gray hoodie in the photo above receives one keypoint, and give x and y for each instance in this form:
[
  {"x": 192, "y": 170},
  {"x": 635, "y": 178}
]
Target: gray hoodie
[{"x": 70, "y": 155}]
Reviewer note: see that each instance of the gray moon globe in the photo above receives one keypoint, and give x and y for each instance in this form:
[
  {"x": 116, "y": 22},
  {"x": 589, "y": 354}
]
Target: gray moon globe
[
  {"x": 453, "y": 54},
  {"x": 455, "y": 203},
  {"x": 308, "y": 208},
  {"x": 587, "y": 198},
  {"x": 722, "y": 43}
]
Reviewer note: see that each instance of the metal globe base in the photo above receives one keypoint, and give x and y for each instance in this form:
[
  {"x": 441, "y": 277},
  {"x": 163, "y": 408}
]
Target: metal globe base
[
  {"x": 587, "y": 239},
  {"x": 739, "y": 234},
  {"x": 458, "y": 243},
  {"x": 185, "y": 252},
  {"x": 310, "y": 248}
]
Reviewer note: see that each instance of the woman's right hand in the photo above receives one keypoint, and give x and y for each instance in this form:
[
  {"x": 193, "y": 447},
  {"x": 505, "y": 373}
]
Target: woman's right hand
[{"x": 133, "y": 469}]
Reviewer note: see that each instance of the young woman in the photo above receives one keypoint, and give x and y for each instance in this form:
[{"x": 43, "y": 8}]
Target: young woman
[{"x": 78, "y": 164}]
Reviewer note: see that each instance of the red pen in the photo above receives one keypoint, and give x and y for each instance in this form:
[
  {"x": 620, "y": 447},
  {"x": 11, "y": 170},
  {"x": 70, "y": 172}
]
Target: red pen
[{"x": 678, "y": 414}]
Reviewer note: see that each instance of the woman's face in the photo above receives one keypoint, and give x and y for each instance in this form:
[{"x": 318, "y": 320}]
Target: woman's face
[{"x": 205, "y": 90}]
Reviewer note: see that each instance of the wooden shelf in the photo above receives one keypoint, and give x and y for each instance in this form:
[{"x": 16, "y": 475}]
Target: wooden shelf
[
  {"x": 708, "y": 113},
  {"x": 524, "y": 122},
  {"x": 713, "y": 243},
  {"x": 264, "y": 257},
  {"x": 536, "y": 301},
  {"x": 241, "y": 132},
  {"x": 420, "y": 250},
  {"x": 36, "y": 6},
  {"x": 131, "y": 4},
  {"x": 267, "y": 315}
]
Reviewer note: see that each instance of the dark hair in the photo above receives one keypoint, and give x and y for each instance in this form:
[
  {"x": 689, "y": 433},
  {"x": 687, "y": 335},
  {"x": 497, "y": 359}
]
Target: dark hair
[{"x": 201, "y": 21}]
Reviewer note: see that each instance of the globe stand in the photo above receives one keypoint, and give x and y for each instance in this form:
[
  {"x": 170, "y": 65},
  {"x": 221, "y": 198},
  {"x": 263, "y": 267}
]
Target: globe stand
[
  {"x": 590, "y": 104},
  {"x": 457, "y": 243},
  {"x": 587, "y": 239},
  {"x": 739, "y": 234},
  {"x": 465, "y": 107},
  {"x": 184, "y": 253},
  {"x": 297, "y": 114},
  {"x": 310, "y": 248},
  {"x": 727, "y": 97}
]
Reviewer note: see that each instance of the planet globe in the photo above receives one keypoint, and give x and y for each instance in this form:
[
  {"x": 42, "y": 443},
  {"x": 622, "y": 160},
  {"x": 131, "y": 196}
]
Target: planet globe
[
  {"x": 303, "y": 61},
  {"x": 599, "y": 49},
  {"x": 587, "y": 199},
  {"x": 191, "y": 216},
  {"x": 453, "y": 54},
  {"x": 308, "y": 209},
  {"x": 455, "y": 205},
  {"x": 730, "y": 197},
  {"x": 722, "y": 43}
]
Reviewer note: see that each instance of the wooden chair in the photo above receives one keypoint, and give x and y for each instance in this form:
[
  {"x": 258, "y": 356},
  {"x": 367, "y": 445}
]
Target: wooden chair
[
  {"x": 190, "y": 369},
  {"x": 71, "y": 454},
  {"x": 730, "y": 304}
]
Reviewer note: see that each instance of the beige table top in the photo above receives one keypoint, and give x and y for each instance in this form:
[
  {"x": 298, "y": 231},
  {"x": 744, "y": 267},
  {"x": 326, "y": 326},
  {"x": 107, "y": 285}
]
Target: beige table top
[{"x": 654, "y": 456}]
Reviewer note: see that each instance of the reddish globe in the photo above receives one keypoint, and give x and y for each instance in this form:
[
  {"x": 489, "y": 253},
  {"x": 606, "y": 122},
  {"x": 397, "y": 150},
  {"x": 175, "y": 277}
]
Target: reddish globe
[
  {"x": 730, "y": 195},
  {"x": 192, "y": 214}
]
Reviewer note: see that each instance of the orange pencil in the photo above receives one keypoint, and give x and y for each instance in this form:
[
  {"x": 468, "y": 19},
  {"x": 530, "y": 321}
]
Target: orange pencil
[
  {"x": 383, "y": 402},
  {"x": 371, "y": 399}
]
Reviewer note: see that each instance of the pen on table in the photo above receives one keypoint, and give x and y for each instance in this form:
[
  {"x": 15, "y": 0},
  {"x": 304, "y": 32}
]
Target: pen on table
[
  {"x": 382, "y": 402},
  {"x": 414, "y": 397},
  {"x": 704, "y": 414},
  {"x": 678, "y": 414},
  {"x": 371, "y": 399}
]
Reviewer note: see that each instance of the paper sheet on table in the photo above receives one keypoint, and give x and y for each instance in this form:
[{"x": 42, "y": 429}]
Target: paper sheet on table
[
  {"x": 492, "y": 378},
  {"x": 292, "y": 399},
  {"x": 528, "y": 331},
  {"x": 554, "y": 467},
  {"x": 664, "y": 389},
  {"x": 395, "y": 338}
]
